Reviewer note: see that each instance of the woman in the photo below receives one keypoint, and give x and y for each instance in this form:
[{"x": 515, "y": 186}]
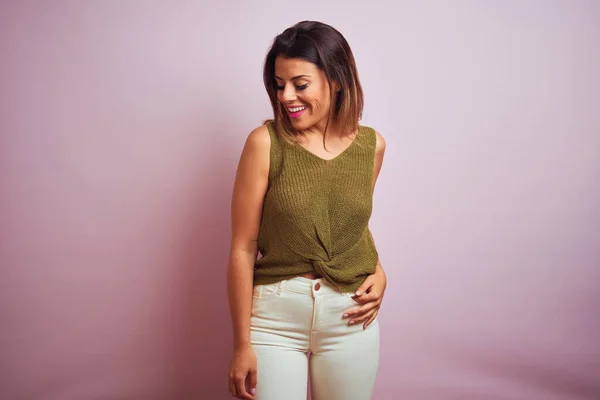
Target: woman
[{"x": 303, "y": 199}]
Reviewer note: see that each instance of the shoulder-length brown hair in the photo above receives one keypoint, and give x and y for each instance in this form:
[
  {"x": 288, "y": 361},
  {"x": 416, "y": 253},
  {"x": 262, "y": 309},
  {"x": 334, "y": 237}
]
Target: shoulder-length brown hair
[{"x": 325, "y": 47}]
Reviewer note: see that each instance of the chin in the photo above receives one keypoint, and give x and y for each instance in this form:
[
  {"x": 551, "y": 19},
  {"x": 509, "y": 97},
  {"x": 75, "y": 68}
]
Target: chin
[{"x": 299, "y": 125}]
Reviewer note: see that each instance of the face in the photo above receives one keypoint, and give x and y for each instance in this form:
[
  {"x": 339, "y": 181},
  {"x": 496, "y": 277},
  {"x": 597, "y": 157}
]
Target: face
[{"x": 304, "y": 91}]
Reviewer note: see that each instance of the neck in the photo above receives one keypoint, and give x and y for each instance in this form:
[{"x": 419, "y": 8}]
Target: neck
[{"x": 333, "y": 129}]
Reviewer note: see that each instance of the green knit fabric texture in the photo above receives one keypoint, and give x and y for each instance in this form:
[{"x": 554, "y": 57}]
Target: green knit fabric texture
[{"x": 316, "y": 214}]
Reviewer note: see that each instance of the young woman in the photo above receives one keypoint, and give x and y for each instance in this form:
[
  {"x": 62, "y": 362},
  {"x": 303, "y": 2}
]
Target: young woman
[{"x": 303, "y": 199}]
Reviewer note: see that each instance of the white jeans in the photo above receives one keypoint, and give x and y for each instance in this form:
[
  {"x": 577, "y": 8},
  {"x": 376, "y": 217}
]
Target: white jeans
[{"x": 299, "y": 316}]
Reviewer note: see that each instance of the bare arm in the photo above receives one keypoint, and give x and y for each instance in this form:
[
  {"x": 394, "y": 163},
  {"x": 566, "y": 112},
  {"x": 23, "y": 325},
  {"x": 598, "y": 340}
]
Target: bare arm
[
  {"x": 246, "y": 209},
  {"x": 379, "y": 153},
  {"x": 370, "y": 293}
]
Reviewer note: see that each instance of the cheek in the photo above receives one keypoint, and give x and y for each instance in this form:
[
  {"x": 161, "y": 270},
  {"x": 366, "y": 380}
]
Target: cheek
[
  {"x": 279, "y": 96},
  {"x": 320, "y": 104},
  {"x": 321, "y": 100}
]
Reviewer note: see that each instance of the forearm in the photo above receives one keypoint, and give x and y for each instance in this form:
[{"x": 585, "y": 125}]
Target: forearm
[{"x": 240, "y": 278}]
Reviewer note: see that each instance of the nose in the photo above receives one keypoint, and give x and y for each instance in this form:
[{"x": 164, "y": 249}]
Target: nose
[{"x": 288, "y": 94}]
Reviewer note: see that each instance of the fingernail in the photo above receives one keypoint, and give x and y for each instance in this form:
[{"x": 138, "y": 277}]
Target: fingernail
[
  {"x": 253, "y": 391},
  {"x": 351, "y": 322},
  {"x": 357, "y": 293},
  {"x": 345, "y": 315}
]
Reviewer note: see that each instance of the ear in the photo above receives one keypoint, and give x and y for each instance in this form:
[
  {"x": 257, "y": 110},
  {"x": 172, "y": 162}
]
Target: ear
[{"x": 336, "y": 86}]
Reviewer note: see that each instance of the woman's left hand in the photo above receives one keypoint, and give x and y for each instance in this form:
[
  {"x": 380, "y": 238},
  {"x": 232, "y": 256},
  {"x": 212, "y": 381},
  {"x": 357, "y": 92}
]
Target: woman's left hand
[{"x": 369, "y": 295}]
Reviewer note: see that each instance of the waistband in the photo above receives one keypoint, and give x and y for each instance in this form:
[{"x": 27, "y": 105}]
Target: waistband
[{"x": 309, "y": 287}]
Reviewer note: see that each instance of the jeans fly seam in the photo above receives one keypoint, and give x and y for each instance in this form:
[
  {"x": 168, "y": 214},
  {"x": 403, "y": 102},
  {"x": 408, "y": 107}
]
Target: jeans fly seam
[{"x": 312, "y": 324}]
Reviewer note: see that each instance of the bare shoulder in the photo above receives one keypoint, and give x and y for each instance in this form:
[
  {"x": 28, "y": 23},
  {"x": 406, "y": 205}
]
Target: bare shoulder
[
  {"x": 259, "y": 139},
  {"x": 380, "y": 144},
  {"x": 256, "y": 153},
  {"x": 379, "y": 151}
]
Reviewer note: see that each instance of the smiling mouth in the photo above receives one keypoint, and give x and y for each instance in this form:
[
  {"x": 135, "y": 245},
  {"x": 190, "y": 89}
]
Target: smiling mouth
[
  {"x": 295, "y": 112},
  {"x": 296, "y": 109}
]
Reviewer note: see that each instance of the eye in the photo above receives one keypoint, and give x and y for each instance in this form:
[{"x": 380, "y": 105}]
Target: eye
[{"x": 301, "y": 87}]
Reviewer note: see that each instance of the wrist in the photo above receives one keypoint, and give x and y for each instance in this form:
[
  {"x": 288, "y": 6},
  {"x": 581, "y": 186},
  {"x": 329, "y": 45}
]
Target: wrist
[{"x": 241, "y": 345}]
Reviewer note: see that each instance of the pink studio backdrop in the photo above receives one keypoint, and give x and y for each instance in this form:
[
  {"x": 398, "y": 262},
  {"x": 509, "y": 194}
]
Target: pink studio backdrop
[{"x": 121, "y": 125}]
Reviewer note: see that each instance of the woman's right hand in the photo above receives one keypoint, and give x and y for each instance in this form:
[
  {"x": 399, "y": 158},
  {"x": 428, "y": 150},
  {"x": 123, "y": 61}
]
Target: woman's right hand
[{"x": 242, "y": 373}]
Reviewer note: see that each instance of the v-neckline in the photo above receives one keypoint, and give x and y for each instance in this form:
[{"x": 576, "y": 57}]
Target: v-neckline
[{"x": 337, "y": 156}]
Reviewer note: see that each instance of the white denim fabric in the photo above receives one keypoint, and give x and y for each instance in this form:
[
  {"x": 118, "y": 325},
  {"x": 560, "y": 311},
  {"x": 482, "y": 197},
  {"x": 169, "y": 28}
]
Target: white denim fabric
[{"x": 295, "y": 317}]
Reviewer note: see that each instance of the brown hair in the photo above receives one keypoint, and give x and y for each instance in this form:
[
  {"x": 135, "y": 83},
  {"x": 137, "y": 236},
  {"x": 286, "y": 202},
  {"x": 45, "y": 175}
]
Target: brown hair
[{"x": 325, "y": 47}]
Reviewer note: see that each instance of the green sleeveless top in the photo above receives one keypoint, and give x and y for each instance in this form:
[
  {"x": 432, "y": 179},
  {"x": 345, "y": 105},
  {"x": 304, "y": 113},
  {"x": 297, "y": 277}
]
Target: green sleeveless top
[{"x": 316, "y": 213}]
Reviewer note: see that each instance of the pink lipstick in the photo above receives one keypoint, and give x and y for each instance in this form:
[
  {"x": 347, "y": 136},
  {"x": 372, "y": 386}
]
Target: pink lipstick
[{"x": 296, "y": 114}]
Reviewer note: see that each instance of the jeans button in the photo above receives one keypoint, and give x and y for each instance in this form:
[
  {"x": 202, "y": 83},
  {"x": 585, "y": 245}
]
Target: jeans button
[{"x": 317, "y": 286}]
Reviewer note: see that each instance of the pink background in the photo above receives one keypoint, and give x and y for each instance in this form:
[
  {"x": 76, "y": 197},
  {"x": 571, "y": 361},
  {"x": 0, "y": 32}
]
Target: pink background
[{"x": 121, "y": 125}]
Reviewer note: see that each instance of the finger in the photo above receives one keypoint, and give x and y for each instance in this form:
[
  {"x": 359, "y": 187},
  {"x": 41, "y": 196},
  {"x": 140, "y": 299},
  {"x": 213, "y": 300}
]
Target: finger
[
  {"x": 366, "y": 316},
  {"x": 362, "y": 317},
  {"x": 355, "y": 312},
  {"x": 367, "y": 297},
  {"x": 370, "y": 320},
  {"x": 252, "y": 380},
  {"x": 364, "y": 287},
  {"x": 240, "y": 386},
  {"x": 232, "y": 386}
]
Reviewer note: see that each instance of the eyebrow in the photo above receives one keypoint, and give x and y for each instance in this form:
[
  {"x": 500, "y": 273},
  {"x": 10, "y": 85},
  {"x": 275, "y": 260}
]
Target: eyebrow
[{"x": 296, "y": 77}]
